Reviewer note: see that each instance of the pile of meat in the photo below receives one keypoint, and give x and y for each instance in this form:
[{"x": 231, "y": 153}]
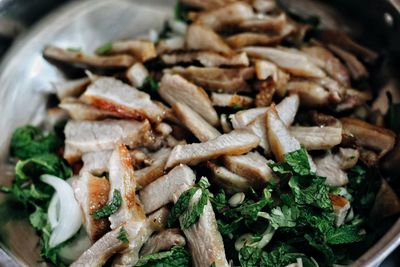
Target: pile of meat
[{"x": 231, "y": 84}]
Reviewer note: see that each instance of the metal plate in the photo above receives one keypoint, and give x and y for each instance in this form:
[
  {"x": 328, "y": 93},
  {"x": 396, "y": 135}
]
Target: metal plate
[{"x": 26, "y": 80}]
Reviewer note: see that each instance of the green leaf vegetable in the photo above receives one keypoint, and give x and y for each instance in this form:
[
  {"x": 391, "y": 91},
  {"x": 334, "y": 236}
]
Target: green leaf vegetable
[
  {"x": 104, "y": 49},
  {"x": 110, "y": 208},
  {"x": 176, "y": 257},
  {"x": 123, "y": 236}
]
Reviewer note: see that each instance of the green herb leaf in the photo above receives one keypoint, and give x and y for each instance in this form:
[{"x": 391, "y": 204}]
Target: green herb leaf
[
  {"x": 298, "y": 160},
  {"x": 74, "y": 49},
  {"x": 176, "y": 257},
  {"x": 104, "y": 49},
  {"x": 180, "y": 206},
  {"x": 150, "y": 85},
  {"x": 310, "y": 191},
  {"x": 29, "y": 141},
  {"x": 110, "y": 208},
  {"x": 123, "y": 236},
  {"x": 343, "y": 235},
  {"x": 219, "y": 201},
  {"x": 192, "y": 214},
  {"x": 283, "y": 217}
]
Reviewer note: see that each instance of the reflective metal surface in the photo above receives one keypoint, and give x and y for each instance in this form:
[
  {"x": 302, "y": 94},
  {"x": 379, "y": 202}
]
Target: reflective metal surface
[{"x": 25, "y": 77}]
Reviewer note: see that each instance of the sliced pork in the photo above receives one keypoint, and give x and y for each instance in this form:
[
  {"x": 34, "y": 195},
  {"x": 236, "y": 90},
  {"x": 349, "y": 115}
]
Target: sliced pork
[
  {"x": 137, "y": 74},
  {"x": 231, "y": 100},
  {"x": 317, "y": 138},
  {"x": 114, "y": 95},
  {"x": 174, "y": 88},
  {"x": 78, "y": 110},
  {"x": 96, "y": 162},
  {"x": 356, "y": 68},
  {"x": 148, "y": 174},
  {"x": 201, "y": 37},
  {"x": 140, "y": 49},
  {"x": 230, "y": 181},
  {"x": 162, "y": 241},
  {"x": 234, "y": 143},
  {"x": 71, "y": 88}
]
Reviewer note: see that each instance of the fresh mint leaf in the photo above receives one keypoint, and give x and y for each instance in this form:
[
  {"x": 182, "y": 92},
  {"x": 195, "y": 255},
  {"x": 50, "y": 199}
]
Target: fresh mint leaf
[
  {"x": 219, "y": 201},
  {"x": 104, "y": 49},
  {"x": 110, "y": 208},
  {"x": 123, "y": 236},
  {"x": 310, "y": 191},
  {"x": 298, "y": 160},
  {"x": 38, "y": 218},
  {"x": 343, "y": 235},
  {"x": 30, "y": 141},
  {"x": 176, "y": 257},
  {"x": 180, "y": 206},
  {"x": 192, "y": 214},
  {"x": 322, "y": 248},
  {"x": 283, "y": 217},
  {"x": 150, "y": 85}
]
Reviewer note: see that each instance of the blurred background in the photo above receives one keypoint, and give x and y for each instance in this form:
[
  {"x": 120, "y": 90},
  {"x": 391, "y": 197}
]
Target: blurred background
[{"x": 17, "y": 16}]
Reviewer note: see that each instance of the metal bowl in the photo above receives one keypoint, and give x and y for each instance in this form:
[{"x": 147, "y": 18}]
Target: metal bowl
[{"x": 26, "y": 78}]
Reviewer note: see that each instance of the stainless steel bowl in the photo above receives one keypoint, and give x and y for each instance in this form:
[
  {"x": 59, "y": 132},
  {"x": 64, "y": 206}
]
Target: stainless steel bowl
[{"x": 25, "y": 77}]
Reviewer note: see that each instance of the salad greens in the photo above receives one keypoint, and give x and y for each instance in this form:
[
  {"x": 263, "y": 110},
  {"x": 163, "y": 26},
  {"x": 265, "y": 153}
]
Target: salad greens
[
  {"x": 176, "y": 257},
  {"x": 110, "y": 208}
]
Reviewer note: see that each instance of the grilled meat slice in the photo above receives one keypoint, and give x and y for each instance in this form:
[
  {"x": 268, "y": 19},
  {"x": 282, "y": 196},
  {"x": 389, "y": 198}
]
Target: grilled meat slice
[
  {"x": 200, "y": 37},
  {"x": 218, "y": 79},
  {"x": 231, "y": 100},
  {"x": 137, "y": 74},
  {"x": 113, "y": 95},
  {"x": 71, "y": 88},
  {"x": 317, "y": 138},
  {"x": 162, "y": 241},
  {"x": 80, "y": 111},
  {"x": 91, "y": 192},
  {"x": 258, "y": 127},
  {"x": 294, "y": 62},
  {"x": 356, "y": 68},
  {"x": 207, "y": 4},
  {"x": 341, "y": 207},
  {"x": 230, "y": 181},
  {"x": 96, "y": 162},
  {"x": 160, "y": 192},
  {"x": 141, "y": 50},
  {"x": 234, "y": 143},
  {"x": 264, "y": 23},
  {"x": 174, "y": 88},
  {"x": 80, "y": 60},
  {"x": 149, "y": 174}
]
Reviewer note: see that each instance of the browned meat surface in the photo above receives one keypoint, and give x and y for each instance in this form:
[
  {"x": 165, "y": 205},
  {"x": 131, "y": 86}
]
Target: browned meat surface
[
  {"x": 294, "y": 62},
  {"x": 370, "y": 136},
  {"x": 231, "y": 100},
  {"x": 156, "y": 169},
  {"x": 91, "y": 192},
  {"x": 160, "y": 192},
  {"x": 204, "y": 239},
  {"x": 230, "y": 181},
  {"x": 174, "y": 89},
  {"x": 162, "y": 241},
  {"x": 264, "y": 23},
  {"x": 324, "y": 59},
  {"x": 206, "y": 58},
  {"x": 140, "y": 49},
  {"x": 244, "y": 39},
  {"x": 96, "y": 162},
  {"x": 84, "y": 61},
  {"x": 341, "y": 207},
  {"x": 207, "y": 4},
  {"x": 311, "y": 94},
  {"x": 317, "y": 138},
  {"x": 234, "y": 143},
  {"x": 218, "y": 79},
  {"x": 266, "y": 90},
  {"x": 329, "y": 166},
  {"x": 113, "y": 95},
  {"x": 356, "y": 68},
  {"x": 195, "y": 123},
  {"x": 201, "y": 37},
  {"x": 78, "y": 110},
  {"x": 88, "y": 136}
]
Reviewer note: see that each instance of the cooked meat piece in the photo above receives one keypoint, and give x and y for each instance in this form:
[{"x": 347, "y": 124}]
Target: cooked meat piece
[
  {"x": 329, "y": 166},
  {"x": 234, "y": 143},
  {"x": 258, "y": 127},
  {"x": 391, "y": 161},
  {"x": 370, "y": 136},
  {"x": 204, "y": 240},
  {"x": 122, "y": 178},
  {"x": 200, "y": 37},
  {"x": 279, "y": 137},
  {"x": 286, "y": 109},
  {"x": 96, "y": 162},
  {"x": 80, "y": 60},
  {"x": 266, "y": 93},
  {"x": 162, "y": 241},
  {"x": 80, "y": 111},
  {"x": 335, "y": 89},
  {"x": 114, "y": 95},
  {"x": 311, "y": 94},
  {"x": 207, "y": 4},
  {"x": 266, "y": 69},
  {"x": 225, "y": 125},
  {"x": 242, "y": 118},
  {"x": 230, "y": 181},
  {"x": 91, "y": 192},
  {"x": 341, "y": 207},
  {"x": 244, "y": 39},
  {"x": 321, "y": 119},
  {"x": 140, "y": 49},
  {"x": 218, "y": 79},
  {"x": 324, "y": 59},
  {"x": 386, "y": 203},
  {"x": 171, "y": 44},
  {"x": 54, "y": 117},
  {"x": 195, "y": 123},
  {"x": 88, "y": 136},
  {"x": 160, "y": 192},
  {"x": 148, "y": 174},
  {"x": 341, "y": 40},
  {"x": 294, "y": 62},
  {"x": 356, "y": 68},
  {"x": 317, "y": 138},
  {"x": 264, "y": 23},
  {"x": 71, "y": 154},
  {"x": 227, "y": 15},
  {"x": 98, "y": 254},
  {"x": 347, "y": 158},
  {"x": 71, "y": 88},
  {"x": 137, "y": 74},
  {"x": 138, "y": 233},
  {"x": 174, "y": 88},
  {"x": 206, "y": 58},
  {"x": 252, "y": 166},
  {"x": 231, "y": 100}
]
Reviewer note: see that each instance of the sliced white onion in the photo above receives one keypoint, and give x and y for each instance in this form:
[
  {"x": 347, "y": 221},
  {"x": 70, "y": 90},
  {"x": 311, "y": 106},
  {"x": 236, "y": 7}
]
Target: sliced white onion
[
  {"x": 53, "y": 211},
  {"x": 70, "y": 252},
  {"x": 70, "y": 217}
]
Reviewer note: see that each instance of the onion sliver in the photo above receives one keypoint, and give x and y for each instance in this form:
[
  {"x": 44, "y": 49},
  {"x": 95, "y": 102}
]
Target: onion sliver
[
  {"x": 53, "y": 211},
  {"x": 70, "y": 217}
]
